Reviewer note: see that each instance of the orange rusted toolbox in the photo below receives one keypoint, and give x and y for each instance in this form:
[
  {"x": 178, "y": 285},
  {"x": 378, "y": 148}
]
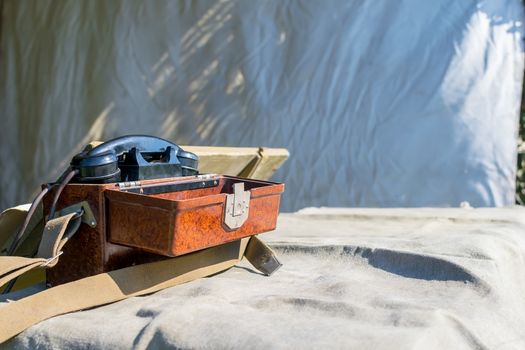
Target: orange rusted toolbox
[
  {"x": 154, "y": 218},
  {"x": 139, "y": 222}
]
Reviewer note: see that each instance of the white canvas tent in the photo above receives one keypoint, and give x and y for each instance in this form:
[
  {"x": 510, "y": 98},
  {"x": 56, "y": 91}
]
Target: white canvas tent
[{"x": 399, "y": 103}]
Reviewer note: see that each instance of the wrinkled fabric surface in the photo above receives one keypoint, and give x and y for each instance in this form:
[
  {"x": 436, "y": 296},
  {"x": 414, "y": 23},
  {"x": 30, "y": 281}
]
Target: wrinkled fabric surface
[
  {"x": 352, "y": 278},
  {"x": 390, "y": 103}
]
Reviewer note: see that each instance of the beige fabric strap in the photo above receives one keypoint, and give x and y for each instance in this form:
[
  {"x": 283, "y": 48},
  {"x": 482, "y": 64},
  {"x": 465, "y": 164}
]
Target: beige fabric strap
[
  {"x": 117, "y": 285},
  {"x": 16, "y": 316},
  {"x": 12, "y": 263},
  {"x": 56, "y": 233},
  {"x": 12, "y": 267},
  {"x": 10, "y": 221}
]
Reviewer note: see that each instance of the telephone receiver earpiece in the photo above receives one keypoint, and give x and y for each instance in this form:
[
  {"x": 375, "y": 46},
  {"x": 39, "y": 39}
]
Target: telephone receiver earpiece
[{"x": 133, "y": 158}]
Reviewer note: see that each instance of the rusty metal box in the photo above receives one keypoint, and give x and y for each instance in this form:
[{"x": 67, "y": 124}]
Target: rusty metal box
[
  {"x": 158, "y": 220},
  {"x": 147, "y": 221}
]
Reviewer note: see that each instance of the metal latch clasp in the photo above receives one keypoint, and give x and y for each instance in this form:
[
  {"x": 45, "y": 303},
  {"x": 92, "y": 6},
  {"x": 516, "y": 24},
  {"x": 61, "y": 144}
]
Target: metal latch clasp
[
  {"x": 237, "y": 206},
  {"x": 83, "y": 209}
]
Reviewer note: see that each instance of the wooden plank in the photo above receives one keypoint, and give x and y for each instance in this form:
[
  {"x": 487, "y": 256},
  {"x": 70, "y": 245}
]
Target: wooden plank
[{"x": 258, "y": 163}]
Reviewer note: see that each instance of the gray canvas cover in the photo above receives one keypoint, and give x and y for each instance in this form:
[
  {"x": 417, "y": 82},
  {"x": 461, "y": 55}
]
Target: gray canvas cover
[{"x": 351, "y": 279}]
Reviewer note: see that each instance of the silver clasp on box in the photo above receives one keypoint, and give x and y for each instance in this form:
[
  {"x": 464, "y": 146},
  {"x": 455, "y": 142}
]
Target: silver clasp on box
[{"x": 237, "y": 206}]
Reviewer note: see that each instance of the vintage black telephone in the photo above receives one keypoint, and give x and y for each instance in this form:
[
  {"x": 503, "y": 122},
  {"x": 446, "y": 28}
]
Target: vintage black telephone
[
  {"x": 133, "y": 158},
  {"x": 126, "y": 222},
  {"x": 126, "y": 158}
]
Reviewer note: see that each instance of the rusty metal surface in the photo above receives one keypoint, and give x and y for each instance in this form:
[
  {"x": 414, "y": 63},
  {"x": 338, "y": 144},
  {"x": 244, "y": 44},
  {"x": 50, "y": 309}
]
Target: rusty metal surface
[
  {"x": 134, "y": 228},
  {"x": 178, "y": 223},
  {"x": 89, "y": 252},
  {"x": 75, "y": 263}
]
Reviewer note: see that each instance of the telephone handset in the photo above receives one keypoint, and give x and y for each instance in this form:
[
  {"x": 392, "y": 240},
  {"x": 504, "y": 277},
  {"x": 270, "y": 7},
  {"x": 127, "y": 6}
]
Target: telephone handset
[{"x": 132, "y": 158}]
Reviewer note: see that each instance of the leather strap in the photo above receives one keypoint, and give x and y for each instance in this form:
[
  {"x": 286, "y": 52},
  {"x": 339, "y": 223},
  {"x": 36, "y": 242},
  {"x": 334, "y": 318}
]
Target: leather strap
[{"x": 105, "y": 288}]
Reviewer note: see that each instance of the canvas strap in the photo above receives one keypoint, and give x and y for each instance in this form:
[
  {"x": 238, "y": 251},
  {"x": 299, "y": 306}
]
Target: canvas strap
[{"x": 105, "y": 288}]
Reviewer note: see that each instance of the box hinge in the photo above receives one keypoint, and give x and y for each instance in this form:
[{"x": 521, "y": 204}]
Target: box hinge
[{"x": 237, "y": 206}]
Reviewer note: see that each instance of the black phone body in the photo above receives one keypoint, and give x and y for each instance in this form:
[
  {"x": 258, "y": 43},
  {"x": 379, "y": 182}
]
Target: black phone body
[{"x": 133, "y": 158}]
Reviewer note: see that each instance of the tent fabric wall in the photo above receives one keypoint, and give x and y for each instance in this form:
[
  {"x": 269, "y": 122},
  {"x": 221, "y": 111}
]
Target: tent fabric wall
[{"x": 392, "y": 103}]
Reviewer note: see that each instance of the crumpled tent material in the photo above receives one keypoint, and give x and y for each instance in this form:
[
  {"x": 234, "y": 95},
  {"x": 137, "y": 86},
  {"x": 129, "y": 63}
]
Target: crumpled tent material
[
  {"x": 397, "y": 103},
  {"x": 351, "y": 278}
]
